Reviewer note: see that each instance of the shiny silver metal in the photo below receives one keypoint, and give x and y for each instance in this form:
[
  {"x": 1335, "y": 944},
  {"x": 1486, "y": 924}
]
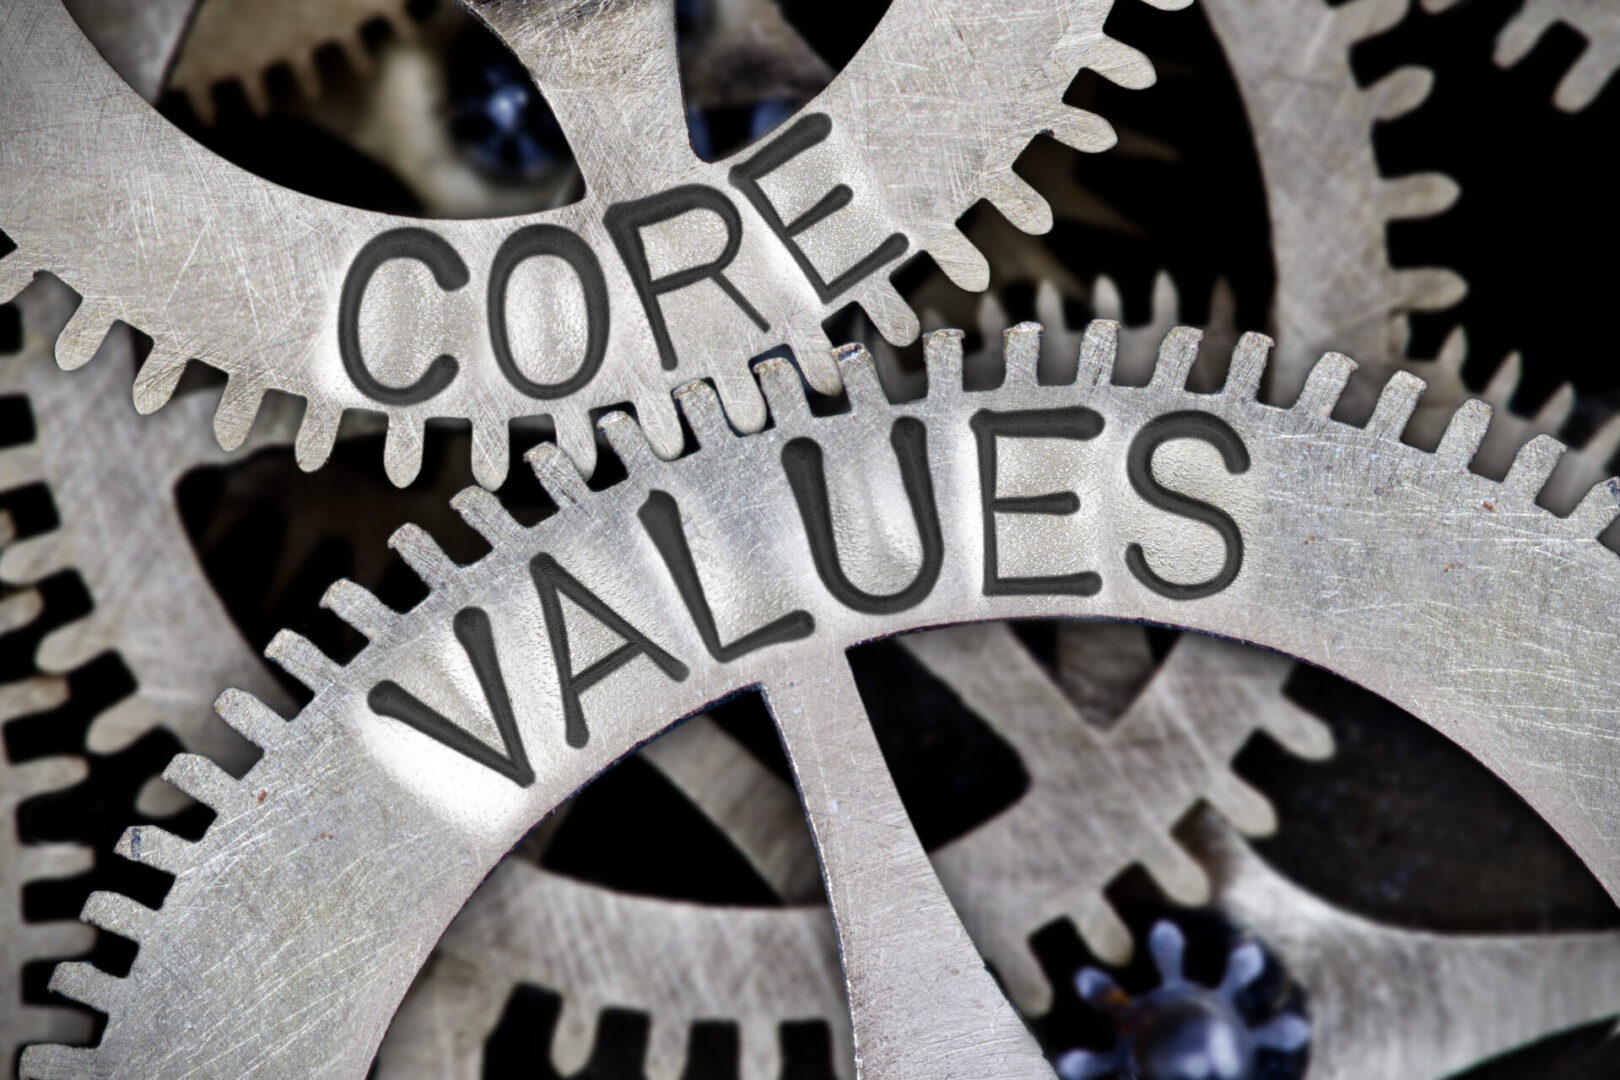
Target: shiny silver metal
[
  {"x": 337, "y": 861},
  {"x": 675, "y": 269}
]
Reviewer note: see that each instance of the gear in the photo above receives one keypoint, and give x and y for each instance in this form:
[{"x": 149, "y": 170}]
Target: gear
[
  {"x": 20, "y": 863},
  {"x": 120, "y": 531},
  {"x": 337, "y": 861},
  {"x": 277, "y": 289},
  {"x": 238, "y": 41},
  {"x": 1595, "y": 20}
]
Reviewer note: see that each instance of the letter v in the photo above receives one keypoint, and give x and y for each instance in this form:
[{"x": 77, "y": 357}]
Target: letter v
[{"x": 390, "y": 699}]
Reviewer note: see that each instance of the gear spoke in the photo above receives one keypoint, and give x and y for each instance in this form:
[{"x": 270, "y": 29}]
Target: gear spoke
[
  {"x": 900, "y": 939},
  {"x": 611, "y": 75},
  {"x": 1416, "y": 1005}
]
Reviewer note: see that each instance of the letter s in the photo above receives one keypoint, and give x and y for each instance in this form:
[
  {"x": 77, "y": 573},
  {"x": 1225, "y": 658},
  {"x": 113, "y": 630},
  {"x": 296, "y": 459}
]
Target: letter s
[{"x": 1139, "y": 467}]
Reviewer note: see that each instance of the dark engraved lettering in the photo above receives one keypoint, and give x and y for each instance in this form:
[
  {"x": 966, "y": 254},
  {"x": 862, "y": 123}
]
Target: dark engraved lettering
[
  {"x": 532, "y": 242},
  {"x": 805, "y": 133},
  {"x": 624, "y": 223},
  {"x": 661, "y": 517},
  {"x": 1139, "y": 467},
  {"x": 1077, "y": 423},
  {"x": 472, "y": 629},
  {"x": 802, "y": 461},
  {"x": 549, "y": 580},
  {"x": 448, "y": 271}
]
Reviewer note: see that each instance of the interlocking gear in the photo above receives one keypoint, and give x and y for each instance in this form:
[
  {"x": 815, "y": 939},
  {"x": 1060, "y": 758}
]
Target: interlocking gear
[
  {"x": 335, "y": 863},
  {"x": 670, "y": 268}
]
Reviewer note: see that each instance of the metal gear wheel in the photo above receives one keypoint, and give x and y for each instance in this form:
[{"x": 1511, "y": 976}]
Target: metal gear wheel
[
  {"x": 348, "y": 847},
  {"x": 284, "y": 292}
]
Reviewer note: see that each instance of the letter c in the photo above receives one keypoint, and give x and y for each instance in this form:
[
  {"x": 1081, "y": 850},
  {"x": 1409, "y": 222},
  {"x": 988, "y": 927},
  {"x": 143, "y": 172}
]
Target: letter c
[{"x": 448, "y": 270}]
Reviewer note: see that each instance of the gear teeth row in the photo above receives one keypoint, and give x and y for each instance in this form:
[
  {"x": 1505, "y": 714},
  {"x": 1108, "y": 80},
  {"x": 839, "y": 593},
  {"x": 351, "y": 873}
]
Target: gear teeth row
[{"x": 1595, "y": 65}]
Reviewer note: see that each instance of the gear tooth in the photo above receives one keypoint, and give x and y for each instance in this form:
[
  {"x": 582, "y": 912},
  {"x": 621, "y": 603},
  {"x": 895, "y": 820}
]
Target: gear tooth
[
  {"x": 1504, "y": 381},
  {"x": 861, "y": 379},
  {"x": 1105, "y": 299},
  {"x": 1533, "y": 465},
  {"x": 1430, "y": 288},
  {"x": 1325, "y": 385},
  {"x": 19, "y": 467},
  {"x": 1453, "y": 352},
  {"x": 1583, "y": 82},
  {"x": 1098, "y": 348},
  {"x": 151, "y": 845},
  {"x": 238, "y": 406},
  {"x": 842, "y": 1036},
  {"x": 890, "y": 313},
  {"x": 1248, "y": 366},
  {"x": 1021, "y": 975},
  {"x": 1177, "y": 872},
  {"x": 992, "y": 320},
  {"x": 1521, "y": 33},
  {"x": 402, "y": 450},
  {"x": 51, "y": 1062},
  {"x": 1599, "y": 509},
  {"x": 41, "y": 862},
  {"x": 117, "y": 914},
  {"x": 160, "y": 374},
  {"x": 1604, "y": 443},
  {"x": 298, "y": 657},
  {"x": 423, "y": 555},
  {"x": 481, "y": 510},
  {"x": 759, "y": 1055},
  {"x": 33, "y": 695},
  {"x": 1120, "y": 64},
  {"x": 25, "y": 562},
  {"x": 86, "y": 983},
  {"x": 1396, "y": 404},
  {"x": 1082, "y": 130},
  {"x": 1177, "y": 355},
  {"x": 81, "y": 338},
  {"x": 205, "y": 781},
  {"x": 814, "y": 352},
  {"x": 572, "y": 1038},
  {"x": 1464, "y": 433},
  {"x": 963, "y": 263},
  {"x": 784, "y": 392},
  {"x": 1300, "y": 732},
  {"x": 360, "y": 608},
  {"x": 1399, "y": 92},
  {"x": 8, "y": 526},
  {"x": 1556, "y": 410},
  {"x": 744, "y": 405},
  {"x": 113, "y": 729},
  {"x": 666, "y": 1049},
  {"x": 942, "y": 356},
  {"x": 1363, "y": 19},
  {"x": 1419, "y": 195},
  {"x": 557, "y": 474},
  {"x": 701, "y": 407},
  {"x": 1250, "y": 812},
  {"x": 1019, "y": 203},
  {"x": 629, "y": 444},
  {"x": 576, "y": 435},
  {"x": 1105, "y": 933},
  {"x": 30, "y": 778},
  {"x": 1021, "y": 350},
  {"x": 255, "y": 721},
  {"x": 491, "y": 453},
  {"x": 317, "y": 433},
  {"x": 19, "y": 609}
]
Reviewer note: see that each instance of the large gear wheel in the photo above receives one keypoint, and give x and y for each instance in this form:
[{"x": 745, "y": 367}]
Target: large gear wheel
[
  {"x": 345, "y": 851},
  {"x": 277, "y": 289}
]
